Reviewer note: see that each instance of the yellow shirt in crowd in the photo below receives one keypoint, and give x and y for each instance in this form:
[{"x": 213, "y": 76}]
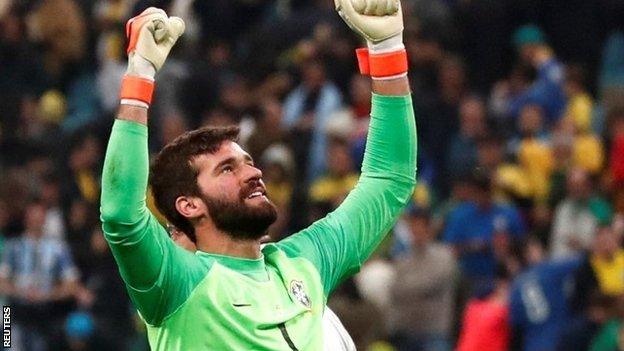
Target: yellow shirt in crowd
[
  {"x": 328, "y": 189},
  {"x": 610, "y": 273},
  {"x": 588, "y": 153},
  {"x": 580, "y": 111},
  {"x": 536, "y": 159}
]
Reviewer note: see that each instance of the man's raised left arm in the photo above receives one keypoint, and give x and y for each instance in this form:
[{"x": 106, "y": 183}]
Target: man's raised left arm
[{"x": 339, "y": 243}]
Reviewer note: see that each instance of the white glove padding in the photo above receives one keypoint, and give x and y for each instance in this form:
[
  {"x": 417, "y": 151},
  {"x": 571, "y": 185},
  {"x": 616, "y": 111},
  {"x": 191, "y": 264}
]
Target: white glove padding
[
  {"x": 151, "y": 36},
  {"x": 375, "y": 20}
]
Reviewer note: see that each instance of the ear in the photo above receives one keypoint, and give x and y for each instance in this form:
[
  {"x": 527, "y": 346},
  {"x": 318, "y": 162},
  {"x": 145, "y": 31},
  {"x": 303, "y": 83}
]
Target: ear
[{"x": 190, "y": 207}]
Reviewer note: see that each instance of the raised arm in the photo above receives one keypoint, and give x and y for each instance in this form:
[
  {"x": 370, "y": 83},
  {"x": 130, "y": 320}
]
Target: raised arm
[
  {"x": 339, "y": 243},
  {"x": 139, "y": 243}
]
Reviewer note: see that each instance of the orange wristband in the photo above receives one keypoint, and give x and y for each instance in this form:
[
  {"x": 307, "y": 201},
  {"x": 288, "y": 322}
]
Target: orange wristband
[
  {"x": 137, "y": 88},
  {"x": 363, "y": 61},
  {"x": 382, "y": 65}
]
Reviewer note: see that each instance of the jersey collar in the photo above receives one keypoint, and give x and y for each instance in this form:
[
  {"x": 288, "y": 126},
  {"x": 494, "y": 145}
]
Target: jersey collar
[{"x": 253, "y": 268}]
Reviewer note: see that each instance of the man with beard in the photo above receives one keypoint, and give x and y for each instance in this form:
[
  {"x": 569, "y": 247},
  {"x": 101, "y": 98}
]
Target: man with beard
[{"x": 231, "y": 293}]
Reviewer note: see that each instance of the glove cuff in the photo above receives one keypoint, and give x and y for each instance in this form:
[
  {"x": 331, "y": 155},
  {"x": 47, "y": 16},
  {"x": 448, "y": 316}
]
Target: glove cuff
[
  {"x": 382, "y": 66},
  {"x": 139, "y": 66},
  {"x": 136, "y": 91},
  {"x": 394, "y": 43}
]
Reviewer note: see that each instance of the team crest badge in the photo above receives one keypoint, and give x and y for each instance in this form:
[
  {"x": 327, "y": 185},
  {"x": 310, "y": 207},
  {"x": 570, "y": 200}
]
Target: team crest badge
[{"x": 298, "y": 291}]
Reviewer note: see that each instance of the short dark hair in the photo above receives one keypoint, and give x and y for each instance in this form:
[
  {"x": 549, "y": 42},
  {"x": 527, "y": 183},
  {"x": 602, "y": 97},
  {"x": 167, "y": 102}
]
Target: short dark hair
[{"x": 173, "y": 175}]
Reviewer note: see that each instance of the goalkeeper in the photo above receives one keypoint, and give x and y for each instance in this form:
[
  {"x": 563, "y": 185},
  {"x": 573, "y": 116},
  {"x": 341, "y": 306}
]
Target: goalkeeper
[{"x": 231, "y": 294}]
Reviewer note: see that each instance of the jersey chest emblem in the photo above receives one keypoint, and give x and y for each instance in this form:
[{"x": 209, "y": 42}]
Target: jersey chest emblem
[{"x": 297, "y": 289}]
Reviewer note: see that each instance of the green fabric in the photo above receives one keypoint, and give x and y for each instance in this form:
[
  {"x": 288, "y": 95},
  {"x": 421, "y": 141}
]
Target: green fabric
[
  {"x": 371, "y": 209},
  {"x": 228, "y": 311},
  {"x": 601, "y": 209},
  {"x": 607, "y": 337},
  {"x": 211, "y": 302}
]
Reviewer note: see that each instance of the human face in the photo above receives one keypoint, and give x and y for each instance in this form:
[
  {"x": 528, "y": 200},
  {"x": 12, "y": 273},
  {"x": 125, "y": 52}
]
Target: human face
[
  {"x": 472, "y": 114},
  {"x": 527, "y": 52},
  {"x": 35, "y": 215},
  {"x": 314, "y": 76},
  {"x": 531, "y": 120},
  {"x": 579, "y": 185},
  {"x": 234, "y": 193},
  {"x": 606, "y": 243},
  {"x": 421, "y": 233}
]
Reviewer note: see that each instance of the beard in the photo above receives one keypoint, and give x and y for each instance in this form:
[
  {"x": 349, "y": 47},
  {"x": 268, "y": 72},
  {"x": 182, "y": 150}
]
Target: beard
[{"x": 239, "y": 219}]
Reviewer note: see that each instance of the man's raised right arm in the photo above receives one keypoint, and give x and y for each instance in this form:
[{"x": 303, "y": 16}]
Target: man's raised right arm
[
  {"x": 126, "y": 220},
  {"x": 139, "y": 243}
]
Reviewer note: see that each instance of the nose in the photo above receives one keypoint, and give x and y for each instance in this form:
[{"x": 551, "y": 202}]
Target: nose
[{"x": 252, "y": 174}]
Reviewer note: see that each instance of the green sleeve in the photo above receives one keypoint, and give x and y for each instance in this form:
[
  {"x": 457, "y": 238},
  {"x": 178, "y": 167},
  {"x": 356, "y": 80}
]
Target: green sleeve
[
  {"x": 159, "y": 275},
  {"x": 339, "y": 243}
]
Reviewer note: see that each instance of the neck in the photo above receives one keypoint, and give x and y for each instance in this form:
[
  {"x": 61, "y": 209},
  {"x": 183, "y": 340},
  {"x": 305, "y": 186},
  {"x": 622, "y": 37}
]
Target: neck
[{"x": 214, "y": 241}]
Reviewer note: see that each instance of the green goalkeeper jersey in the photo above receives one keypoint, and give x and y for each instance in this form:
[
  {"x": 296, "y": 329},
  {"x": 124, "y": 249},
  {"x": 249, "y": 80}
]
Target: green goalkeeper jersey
[{"x": 202, "y": 301}]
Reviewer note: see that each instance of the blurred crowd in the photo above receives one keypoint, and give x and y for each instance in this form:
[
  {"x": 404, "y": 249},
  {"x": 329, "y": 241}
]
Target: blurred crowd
[{"x": 513, "y": 240}]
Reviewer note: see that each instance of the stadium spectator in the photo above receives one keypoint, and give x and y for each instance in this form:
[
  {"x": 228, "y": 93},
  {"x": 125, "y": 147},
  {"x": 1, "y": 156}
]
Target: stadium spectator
[
  {"x": 485, "y": 323},
  {"x": 561, "y": 144},
  {"x": 460, "y": 193},
  {"x": 597, "y": 288},
  {"x": 102, "y": 294},
  {"x": 472, "y": 126},
  {"x": 80, "y": 222},
  {"x": 339, "y": 179},
  {"x": 82, "y": 178},
  {"x": 51, "y": 196},
  {"x": 534, "y": 153},
  {"x": 601, "y": 270},
  {"x": 278, "y": 164},
  {"x": 588, "y": 150},
  {"x": 540, "y": 299},
  {"x": 267, "y": 131},
  {"x": 422, "y": 296},
  {"x": 547, "y": 89},
  {"x": 480, "y": 230},
  {"x": 438, "y": 116},
  {"x": 580, "y": 103},
  {"x": 578, "y": 216},
  {"x": 505, "y": 92},
  {"x": 38, "y": 276},
  {"x": 490, "y": 154},
  {"x": 307, "y": 110},
  {"x": 49, "y": 19}
]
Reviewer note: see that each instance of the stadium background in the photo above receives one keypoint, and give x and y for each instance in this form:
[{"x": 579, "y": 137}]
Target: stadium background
[{"x": 517, "y": 153}]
